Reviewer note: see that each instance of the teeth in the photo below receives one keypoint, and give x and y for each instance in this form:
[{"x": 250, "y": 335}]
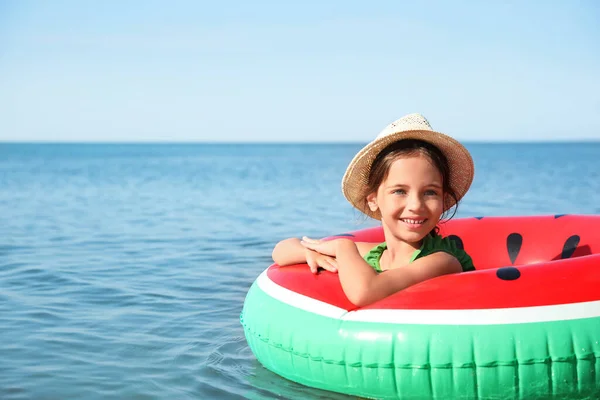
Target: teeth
[{"x": 413, "y": 221}]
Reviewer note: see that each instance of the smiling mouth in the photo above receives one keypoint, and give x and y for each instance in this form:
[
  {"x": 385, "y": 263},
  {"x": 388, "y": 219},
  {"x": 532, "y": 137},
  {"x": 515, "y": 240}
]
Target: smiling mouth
[{"x": 413, "y": 221}]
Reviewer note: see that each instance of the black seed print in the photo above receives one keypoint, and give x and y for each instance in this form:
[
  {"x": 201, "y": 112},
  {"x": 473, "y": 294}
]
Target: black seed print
[
  {"x": 479, "y": 218},
  {"x": 508, "y": 273},
  {"x": 513, "y": 244},
  {"x": 570, "y": 246},
  {"x": 559, "y": 215}
]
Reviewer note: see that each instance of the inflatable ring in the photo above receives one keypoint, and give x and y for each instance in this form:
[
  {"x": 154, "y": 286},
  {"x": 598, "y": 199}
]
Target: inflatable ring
[{"x": 525, "y": 324}]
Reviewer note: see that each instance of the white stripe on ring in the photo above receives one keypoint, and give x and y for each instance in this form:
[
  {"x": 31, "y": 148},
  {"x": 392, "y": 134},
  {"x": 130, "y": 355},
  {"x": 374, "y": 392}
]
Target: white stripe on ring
[
  {"x": 298, "y": 300},
  {"x": 488, "y": 316}
]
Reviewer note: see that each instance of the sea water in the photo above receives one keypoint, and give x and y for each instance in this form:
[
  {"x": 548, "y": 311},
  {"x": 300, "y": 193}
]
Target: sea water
[{"x": 124, "y": 267}]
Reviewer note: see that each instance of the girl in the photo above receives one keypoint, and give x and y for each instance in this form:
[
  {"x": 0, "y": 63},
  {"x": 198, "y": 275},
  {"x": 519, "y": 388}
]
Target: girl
[{"x": 408, "y": 177}]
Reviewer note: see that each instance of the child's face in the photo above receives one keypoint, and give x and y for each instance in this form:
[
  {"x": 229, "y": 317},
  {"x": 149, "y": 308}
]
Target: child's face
[{"x": 410, "y": 199}]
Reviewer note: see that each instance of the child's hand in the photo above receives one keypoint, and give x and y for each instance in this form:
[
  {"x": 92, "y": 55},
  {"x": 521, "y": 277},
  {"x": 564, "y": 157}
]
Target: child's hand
[
  {"x": 315, "y": 260},
  {"x": 326, "y": 247}
]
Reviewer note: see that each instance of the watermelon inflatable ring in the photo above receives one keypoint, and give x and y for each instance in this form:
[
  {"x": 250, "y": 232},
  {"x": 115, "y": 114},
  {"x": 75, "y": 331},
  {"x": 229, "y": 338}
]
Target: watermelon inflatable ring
[{"x": 525, "y": 324}]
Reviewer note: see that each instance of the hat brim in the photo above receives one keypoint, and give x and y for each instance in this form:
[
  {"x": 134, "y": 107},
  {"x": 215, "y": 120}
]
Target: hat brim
[{"x": 357, "y": 174}]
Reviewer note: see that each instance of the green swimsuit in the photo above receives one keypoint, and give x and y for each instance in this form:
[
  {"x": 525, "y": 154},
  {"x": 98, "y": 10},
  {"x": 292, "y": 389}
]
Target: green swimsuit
[{"x": 431, "y": 244}]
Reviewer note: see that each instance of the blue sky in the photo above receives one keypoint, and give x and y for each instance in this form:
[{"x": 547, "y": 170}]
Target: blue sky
[{"x": 299, "y": 71}]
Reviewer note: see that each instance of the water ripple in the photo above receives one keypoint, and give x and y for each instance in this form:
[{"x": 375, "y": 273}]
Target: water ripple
[{"x": 124, "y": 268}]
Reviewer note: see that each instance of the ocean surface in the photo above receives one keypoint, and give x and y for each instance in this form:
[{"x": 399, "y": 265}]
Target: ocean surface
[{"x": 123, "y": 268}]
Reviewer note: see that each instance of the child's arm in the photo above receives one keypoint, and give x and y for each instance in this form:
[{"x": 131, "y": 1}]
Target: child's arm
[
  {"x": 367, "y": 287},
  {"x": 290, "y": 251},
  {"x": 363, "y": 286}
]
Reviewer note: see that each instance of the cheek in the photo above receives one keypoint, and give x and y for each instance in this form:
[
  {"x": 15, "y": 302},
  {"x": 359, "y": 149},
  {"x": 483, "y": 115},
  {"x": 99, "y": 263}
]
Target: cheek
[
  {"x": 435, "y": 205},
  {"x": 395, "y": 201}
]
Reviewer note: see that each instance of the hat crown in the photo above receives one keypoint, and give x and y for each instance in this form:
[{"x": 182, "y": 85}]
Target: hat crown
[{"x": 410, "y": 122}]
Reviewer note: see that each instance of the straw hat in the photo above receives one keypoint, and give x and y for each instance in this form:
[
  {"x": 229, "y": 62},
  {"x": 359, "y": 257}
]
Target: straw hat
[{"x": 412, "y": 126}]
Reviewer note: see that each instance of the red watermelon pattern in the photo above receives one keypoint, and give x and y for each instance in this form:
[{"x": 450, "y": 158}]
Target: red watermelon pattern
[{"x": 519, "y": 261}]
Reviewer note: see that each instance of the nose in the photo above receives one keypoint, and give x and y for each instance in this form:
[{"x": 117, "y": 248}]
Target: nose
[{"x": 414, "y": 202}]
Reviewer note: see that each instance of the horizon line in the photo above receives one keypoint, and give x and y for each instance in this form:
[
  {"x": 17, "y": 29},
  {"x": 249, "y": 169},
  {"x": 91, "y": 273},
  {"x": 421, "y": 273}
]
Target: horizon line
[{"x": 184, "y": 142}]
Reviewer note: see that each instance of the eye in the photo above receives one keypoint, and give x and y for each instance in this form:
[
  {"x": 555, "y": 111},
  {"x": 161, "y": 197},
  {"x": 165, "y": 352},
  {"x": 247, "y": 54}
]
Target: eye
[
  {"x": 431, "y": 192},
  {"x": 400, "y": 191}
]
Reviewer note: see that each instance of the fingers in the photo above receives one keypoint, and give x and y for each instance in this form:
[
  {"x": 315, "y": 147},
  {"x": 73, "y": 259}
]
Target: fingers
[
  {"x": 312, "y": 244},
  {"x": 312, "y": 264},
  {"x": 308, "y": 245},
  {"x": 325, "y": 262},
  {"x": 329, "y": 264},
  {"x": 309, "y": 240},
  {"x": 316, "y": 260}
]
